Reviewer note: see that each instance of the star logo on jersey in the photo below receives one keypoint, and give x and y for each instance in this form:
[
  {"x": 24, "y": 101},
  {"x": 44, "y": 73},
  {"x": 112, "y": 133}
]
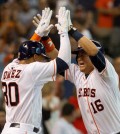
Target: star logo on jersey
[
  {"x": 12, "y": 67},
  {"x": 25, "y": 45}
]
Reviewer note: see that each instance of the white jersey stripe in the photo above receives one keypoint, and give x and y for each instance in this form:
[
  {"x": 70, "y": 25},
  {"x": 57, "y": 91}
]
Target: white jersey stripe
[{"x": 54, "y": 70}]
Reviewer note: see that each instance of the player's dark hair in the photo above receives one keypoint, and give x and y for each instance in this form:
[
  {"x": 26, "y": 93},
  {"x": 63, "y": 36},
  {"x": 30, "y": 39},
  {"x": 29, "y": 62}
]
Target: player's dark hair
[{"x": 67, "y": 109}]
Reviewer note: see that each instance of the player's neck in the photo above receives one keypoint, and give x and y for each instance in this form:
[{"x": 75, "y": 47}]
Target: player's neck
[
  {"x": 28, "y": 61},
  {"x": 88, "y": 70}
]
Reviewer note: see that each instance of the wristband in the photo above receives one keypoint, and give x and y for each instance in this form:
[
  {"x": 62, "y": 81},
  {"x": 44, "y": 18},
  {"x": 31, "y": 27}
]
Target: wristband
[
  {"x": 45, "y": 38},
  {"x": 35, "y": 37},
  {"x": 75, "y": 34},
  {"x": 48, "y": 44}
]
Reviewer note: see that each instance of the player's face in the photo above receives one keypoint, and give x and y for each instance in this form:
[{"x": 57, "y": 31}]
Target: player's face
[{"x": 84, "y": 62}]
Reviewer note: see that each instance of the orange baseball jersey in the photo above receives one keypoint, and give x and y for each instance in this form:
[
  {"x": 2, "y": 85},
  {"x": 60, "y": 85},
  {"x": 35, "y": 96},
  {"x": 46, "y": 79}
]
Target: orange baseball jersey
[{"x": 98, "y": 97}]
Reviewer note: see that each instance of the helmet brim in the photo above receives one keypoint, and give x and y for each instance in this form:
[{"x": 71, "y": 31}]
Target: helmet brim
[{"x": 79, "y": 49}]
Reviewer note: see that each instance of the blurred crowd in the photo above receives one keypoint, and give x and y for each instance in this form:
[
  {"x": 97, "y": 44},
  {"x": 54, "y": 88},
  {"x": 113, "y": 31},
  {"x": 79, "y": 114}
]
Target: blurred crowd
[{"x": 96, "y": 19}]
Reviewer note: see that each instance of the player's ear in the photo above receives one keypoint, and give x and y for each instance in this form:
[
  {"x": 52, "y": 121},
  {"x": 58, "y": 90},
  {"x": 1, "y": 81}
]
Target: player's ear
[{"x": 35, "y": 57}]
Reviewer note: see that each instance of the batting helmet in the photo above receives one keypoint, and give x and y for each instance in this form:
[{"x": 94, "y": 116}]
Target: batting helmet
[
  {"x": 98, "y": 45},
  {"x": 28, "y": 48}
]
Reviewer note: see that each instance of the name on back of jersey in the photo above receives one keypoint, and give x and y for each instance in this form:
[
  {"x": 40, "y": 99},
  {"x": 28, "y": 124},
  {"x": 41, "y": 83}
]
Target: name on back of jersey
[{"x": 12, "y": 74}]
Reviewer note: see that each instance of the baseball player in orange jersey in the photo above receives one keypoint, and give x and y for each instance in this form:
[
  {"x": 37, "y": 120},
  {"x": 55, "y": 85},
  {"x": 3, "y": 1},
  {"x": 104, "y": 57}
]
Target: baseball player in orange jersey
[
  {"x": 97, "y": 86},
  {"x": 23, "y": 79}
]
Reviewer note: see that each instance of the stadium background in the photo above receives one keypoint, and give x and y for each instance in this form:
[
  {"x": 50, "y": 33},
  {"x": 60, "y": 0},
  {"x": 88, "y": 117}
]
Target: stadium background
[{"x": 97, "y": 19}]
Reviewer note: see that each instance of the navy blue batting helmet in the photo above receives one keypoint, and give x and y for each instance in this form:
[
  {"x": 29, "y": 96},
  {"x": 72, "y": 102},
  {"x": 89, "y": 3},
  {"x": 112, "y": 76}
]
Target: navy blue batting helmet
[
  {"x": 98, "y": 45},
  {"x": 28, "y": 48}
]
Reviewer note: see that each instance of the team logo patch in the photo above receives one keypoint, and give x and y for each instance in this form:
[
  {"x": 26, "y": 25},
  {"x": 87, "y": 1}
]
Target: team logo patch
[{"x": 25, "y": 45}]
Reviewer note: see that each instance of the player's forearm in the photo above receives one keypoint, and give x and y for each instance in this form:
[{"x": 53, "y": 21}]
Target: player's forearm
[
  {"x": 53, "y": 54},
  {"x": 88, "y": 46},
  {"x": 65, "y": 48},
  {"x": 64, "y": 56},
  {"x": 51, "y": 51}
]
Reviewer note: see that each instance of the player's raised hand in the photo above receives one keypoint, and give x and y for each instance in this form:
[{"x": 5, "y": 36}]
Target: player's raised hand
[
  {"x": 62, "y": 16},
  {"x": 36, "y": 20},
  {"x": 43, "y": 25}
]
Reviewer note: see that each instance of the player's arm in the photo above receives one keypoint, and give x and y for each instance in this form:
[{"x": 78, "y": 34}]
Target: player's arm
[
  {"x": 51, "y": 51},
  {"x": 63, "y": 60},
  {"x": 89, "y": 47},
  {"x": 64, "y": 56}
]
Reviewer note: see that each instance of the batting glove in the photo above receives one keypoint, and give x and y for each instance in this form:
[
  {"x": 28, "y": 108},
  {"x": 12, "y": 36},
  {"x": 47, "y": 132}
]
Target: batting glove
[
  {"x": 43, "y": 25},
  {"x": 62, "y": 16}
]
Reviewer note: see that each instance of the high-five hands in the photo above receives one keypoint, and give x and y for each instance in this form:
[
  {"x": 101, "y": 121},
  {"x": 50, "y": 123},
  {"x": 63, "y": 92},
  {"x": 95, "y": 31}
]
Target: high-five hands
[
  {"x": 43, "y": 22},
  {"x": 62, "y": 16}
]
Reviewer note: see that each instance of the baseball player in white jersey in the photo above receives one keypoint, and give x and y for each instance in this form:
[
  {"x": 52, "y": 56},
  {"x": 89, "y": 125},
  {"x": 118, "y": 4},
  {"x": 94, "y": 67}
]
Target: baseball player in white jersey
[
  {"x": 23, "y": 79},
  {"x": 97, "y": 86}
]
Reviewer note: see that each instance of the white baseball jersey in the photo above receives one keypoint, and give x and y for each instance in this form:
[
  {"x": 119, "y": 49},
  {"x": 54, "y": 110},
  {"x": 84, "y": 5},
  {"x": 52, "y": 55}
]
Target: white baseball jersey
[
  {"x": 22, "y": 84},
  {"x": 63, "y": 127},
  {"x": 98, "y": 97}
]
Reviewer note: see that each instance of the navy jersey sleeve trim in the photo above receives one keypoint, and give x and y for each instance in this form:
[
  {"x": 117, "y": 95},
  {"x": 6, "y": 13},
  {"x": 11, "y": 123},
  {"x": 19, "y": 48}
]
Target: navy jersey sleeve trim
[
  {"x": 62, "y": 73},
  {"x": 99, "y": 61},
  {"x": 61, "y": 65}
]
